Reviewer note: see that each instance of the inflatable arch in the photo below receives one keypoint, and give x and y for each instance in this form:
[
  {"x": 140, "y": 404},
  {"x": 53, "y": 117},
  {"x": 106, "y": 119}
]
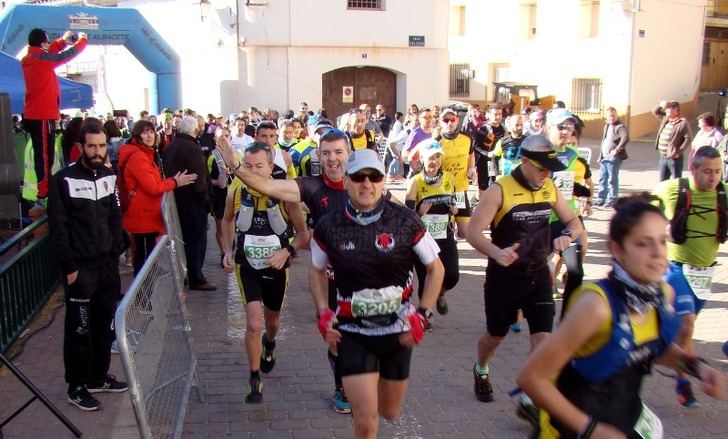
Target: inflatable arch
[{"x": 104, "y": 26}]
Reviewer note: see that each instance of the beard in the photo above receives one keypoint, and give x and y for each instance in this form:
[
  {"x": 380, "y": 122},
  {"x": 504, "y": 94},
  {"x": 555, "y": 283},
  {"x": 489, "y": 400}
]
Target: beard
[{"x": 94, "y": 162}]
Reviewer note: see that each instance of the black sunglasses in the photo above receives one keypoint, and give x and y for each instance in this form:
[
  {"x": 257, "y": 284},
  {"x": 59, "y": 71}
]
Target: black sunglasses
[{"x": 359, "y": 177}]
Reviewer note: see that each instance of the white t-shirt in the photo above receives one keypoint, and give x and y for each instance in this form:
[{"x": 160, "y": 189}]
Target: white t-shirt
[{"x": 241, "y": 142}]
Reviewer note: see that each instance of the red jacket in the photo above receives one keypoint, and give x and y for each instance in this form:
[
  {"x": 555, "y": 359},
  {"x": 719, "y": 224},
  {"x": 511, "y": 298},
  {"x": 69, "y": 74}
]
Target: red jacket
[
  {"x": 42, "y": 92},
  {"x": 143, "y": 177}
]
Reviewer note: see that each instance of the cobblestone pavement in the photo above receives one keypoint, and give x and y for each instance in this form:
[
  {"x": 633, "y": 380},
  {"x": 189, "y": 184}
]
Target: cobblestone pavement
[{"x": 440, "y": 400}]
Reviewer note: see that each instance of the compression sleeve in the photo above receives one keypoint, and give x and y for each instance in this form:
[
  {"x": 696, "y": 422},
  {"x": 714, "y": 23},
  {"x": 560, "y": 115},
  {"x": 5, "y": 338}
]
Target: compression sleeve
[{"x": 426, "y": 249}]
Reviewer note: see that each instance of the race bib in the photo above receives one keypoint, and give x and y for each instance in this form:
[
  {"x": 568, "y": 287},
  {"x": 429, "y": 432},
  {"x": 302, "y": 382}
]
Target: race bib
[
  {"x": 700, "y": 280},
  {"x": 437, "y": 225},
  {"x": 460, "y": 200},
  {"x": 371, "y": 302},
  {"x": 648, "y": 425},
  {"x": 259, "y": 248},
  {"x": 564, "y": 180}
]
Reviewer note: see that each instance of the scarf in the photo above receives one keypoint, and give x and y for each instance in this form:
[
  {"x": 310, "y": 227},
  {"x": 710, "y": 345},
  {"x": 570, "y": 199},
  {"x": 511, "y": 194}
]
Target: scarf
[
  {"x": 521, "y": 179},
  {"x": 433, "y": 180},
  {"x": 639, "y": 297},
  {"x": 364, "y": 218}
]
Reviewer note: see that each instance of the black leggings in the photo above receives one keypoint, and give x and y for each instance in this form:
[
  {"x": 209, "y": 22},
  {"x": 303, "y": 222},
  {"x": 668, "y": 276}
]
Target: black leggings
[
  {"x": 143, "y": 245},
  {"x": 450, "y": 260}
]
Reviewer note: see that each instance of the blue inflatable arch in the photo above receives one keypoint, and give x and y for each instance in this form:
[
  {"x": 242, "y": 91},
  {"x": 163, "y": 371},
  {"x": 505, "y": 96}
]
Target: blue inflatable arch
[{"x": 104, "y": 26}]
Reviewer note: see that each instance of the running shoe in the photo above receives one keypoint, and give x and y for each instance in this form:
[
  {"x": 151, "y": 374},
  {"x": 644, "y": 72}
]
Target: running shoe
[
  {"x": 341, "y": 403},
  {"x": 441, "y": 305},
  {"x": 107, "y": 385},
  {"x": 255, "y": 391},
  {"x": 268, "y": 356},
  {"x": 685, "y": 395},
  {"x": 483, "y": 389},
  {"x": 517, "y": 327},
  {"x": 528, "y": 412},
  {"x": 81, "y": 398}
]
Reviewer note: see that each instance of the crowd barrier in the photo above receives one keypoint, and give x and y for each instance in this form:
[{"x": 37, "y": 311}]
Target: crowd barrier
[
  {"x": 172, "y": 225},
  {"x": 153, "y": 333}
]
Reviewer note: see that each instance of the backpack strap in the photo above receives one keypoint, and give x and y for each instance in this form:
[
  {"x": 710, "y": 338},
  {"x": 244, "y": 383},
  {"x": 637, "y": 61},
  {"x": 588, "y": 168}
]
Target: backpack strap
[
  {"x": 722, "y": 211},
  {"x": 679, "y": 221}
]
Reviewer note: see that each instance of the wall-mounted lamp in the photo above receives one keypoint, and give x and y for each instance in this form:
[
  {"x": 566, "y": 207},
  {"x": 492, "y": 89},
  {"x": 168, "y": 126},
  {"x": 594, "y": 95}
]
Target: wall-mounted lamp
[{"x": 204, "y": 9}]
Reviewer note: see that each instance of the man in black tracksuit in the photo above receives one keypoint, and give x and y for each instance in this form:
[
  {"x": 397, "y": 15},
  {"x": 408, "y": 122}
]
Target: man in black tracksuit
[{"x": 85, "y": 226}]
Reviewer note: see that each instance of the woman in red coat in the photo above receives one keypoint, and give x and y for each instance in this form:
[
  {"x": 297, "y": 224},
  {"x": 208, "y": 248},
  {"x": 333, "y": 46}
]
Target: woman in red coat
[{"x": 142, "y": 190}]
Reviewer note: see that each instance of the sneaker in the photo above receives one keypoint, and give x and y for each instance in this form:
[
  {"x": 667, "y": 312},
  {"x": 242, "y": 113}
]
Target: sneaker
[
  {"x": 114, "y": 347},
  {"x": 108, "y": 385},
  {"x": 255, "y": 391},
  {"x": 441, "y": 305},
  {"x": 267, "y": 357},
  {"x": 341, "y": 404},
  {"x": 685, "y": 395},
  {"x": 517, "y": 327},
  {"x": 81, "y": 398},
  {"x": 483, "y": 389},
  {"x": 528, "y": 412},
  {"x": 597, "y": 203}
]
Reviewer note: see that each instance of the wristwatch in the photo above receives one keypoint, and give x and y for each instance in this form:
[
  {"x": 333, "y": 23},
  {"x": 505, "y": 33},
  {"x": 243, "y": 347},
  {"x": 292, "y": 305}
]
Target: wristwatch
[{"x": 291, "y": 250}]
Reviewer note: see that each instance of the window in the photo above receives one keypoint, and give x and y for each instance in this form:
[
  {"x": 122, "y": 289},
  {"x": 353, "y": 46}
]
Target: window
[
  {"x": 457, "y": 21},
  {"x": 586, "y": 96},
  {"x": 589, "y": 18},
  {"x": 460, "y": 80},
  {"x": 374, "y": 5}
]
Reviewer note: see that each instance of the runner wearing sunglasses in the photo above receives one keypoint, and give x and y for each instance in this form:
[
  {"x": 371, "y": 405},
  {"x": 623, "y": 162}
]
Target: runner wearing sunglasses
[
  {"x": 372, "y": 245},
  {"x": 517, "y": 209}
]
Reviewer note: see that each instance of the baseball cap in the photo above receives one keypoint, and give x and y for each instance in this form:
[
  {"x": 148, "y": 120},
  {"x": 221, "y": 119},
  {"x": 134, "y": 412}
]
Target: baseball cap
[
  {"x": 447, "y": 111},
  {"x": 558, "y": 115},
  {"x": 364, "y": 159},
  {"x": 428, "y": 148},
  {"x": 322, "y": 123},
  {"x": 312, "y": 120},
  {"x": 540, "y": 150}
]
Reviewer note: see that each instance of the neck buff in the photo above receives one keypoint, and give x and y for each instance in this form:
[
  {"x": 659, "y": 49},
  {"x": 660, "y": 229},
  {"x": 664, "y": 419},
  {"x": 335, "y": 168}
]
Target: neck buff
[
  {"x": 434, "y": 179},
  {"x": 338, "y": 185},
  {"x": 521, "y": 179},
  {"x": 640, "y": 297},
  {"x": 364, "y": 218},
  {"x": 450, "y": 136}
]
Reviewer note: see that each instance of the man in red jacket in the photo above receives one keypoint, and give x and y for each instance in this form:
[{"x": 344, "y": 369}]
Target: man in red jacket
[{"x": 43, "y": 96}]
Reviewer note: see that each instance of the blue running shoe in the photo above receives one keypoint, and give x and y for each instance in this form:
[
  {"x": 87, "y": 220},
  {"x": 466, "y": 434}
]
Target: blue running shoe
[
  {"x": 517, "y": 327},
  {"x": 341, "y": 404}
]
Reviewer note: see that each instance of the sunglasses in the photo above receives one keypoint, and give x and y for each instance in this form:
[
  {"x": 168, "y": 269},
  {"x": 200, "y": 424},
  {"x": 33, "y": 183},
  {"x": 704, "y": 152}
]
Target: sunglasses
[
  {"x": 565, "y": 126},
  {"x": 426, "y": 116},
  {"x": 359, "y": 177},
  {"x": 449, "y": 119}
]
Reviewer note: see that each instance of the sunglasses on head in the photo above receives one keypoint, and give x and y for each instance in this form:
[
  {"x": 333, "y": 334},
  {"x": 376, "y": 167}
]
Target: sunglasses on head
[{"x": 359, "y": 177}]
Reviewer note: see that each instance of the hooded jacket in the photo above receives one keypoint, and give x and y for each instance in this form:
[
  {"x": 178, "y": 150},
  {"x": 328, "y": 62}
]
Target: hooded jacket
[
  {"x": 42, "y": 92},
  {"x": 143, "y": 178}
]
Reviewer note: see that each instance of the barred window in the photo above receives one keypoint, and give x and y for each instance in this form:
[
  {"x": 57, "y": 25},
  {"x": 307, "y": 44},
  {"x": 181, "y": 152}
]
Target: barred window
[
  {"x": 377, "y": 5},
  {"x": 460, "y": 80},
  {"x": 586, "y": 96}
]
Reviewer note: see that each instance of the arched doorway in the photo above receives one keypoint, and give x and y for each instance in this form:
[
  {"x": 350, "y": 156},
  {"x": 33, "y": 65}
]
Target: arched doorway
[{"x": 370, "y": 85}]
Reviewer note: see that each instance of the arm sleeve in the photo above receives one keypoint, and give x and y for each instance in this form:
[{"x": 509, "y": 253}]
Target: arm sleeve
[
  {"x": 58, "y": 221},
  {"x": 319, "y": 257},
  {"x": 423, "y": 244}
]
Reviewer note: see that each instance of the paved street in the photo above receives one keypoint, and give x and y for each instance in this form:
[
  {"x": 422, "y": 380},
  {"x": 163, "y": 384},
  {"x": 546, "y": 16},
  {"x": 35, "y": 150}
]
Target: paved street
[{"x": 440, "y": 401}]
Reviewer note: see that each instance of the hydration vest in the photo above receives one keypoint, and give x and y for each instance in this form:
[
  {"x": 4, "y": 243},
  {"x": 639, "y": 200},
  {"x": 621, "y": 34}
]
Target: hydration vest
[{"x": 679, "y": 221}]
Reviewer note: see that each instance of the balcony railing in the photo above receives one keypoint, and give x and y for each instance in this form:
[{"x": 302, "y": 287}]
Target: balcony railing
[{"x": 717, "y": 8}]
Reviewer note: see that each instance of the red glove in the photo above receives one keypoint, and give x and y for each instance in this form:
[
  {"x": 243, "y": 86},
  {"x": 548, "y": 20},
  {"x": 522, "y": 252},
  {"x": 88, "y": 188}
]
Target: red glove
[
  {"x": 325, "y": 318},
  {"x": 417, "y": 322}
]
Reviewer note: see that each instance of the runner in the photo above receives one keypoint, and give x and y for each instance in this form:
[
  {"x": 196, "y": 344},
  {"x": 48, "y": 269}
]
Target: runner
[
  {"x": 359, "y": 136},
  {"x": 508, "y": 149},
  {"x": 286, "y": 135},
  {"x": 431, "y": 194},
  {"x": 283, "y": 163},
  {"x": 263, "y": 254},
  {"x": 517, "y": 209},
  {"x": 306, "y": 158},
  {"x": 371, "y": 245},
  {"x": 483, "y": 142},
  {"x": 696, "y": 207},
  {"x": 458, "y": 160},
  {"x": 613, "y": 331},
  {"x": 322, "y": 194},
  {"x": 219, "y": 181}
]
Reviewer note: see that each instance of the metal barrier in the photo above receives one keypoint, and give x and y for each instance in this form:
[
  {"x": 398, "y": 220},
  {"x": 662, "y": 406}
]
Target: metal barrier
[
  {"x": 26, "y": 280},
  {"x": 172, "y": 225},
  {"x": 153, "y": 332}
]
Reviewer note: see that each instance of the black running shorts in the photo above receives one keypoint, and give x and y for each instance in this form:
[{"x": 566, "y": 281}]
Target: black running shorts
[
  {"x": 508, "y": 290},
  {"x": 268, "y": 285},
  {"x": 374, "y": 353}
]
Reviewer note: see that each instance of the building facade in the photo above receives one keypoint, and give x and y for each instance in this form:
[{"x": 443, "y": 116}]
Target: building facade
[{"x": 590, "y": 54}]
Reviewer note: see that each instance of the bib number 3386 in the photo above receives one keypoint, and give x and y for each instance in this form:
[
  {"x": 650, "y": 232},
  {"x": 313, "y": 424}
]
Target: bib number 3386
[{"x": 259, "y": 248}]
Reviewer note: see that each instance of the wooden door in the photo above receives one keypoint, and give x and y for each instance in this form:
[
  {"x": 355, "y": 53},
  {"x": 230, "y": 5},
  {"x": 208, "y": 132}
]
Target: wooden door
[
  {"x": 715, "y": 73},
  {"x": 371, "y": 85}
]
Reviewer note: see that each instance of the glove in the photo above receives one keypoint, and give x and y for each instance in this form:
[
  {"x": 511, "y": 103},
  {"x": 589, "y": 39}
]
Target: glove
[
  {"x": 417, "y": 322},
  {"x": 325, "y": 317}
]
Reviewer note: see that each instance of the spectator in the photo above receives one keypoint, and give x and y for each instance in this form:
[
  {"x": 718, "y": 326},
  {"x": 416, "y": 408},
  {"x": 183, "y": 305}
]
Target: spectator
[
  {"x": 673, "y": 138},
  {"x": 611, "y": 155},
  {"x": 86, "y": 236},
  {"x": 43, "y": 96},
  {"x": 193, "y": 201},
  {"x": 708, "y": 134},
  {"x": 69, "y": 140},
  {"x": 115, "y": 141}
]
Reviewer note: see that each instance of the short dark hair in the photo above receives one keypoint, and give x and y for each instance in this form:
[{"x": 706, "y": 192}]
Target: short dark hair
[
  {"x": 708, "y": 118},
  {"x": 267, "y": 125},
  {"x": 560, "y": 104},
  {"x": 630, "y": 211},
  {"x": 36, "y": 37},
  {"x": 260, "y": 146},
  {"x": 704, "y": 152},
  {"x": 91, "y": 128},
  {"x": 139, "y": 127},
  {"x": 112, "y": 128}
]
